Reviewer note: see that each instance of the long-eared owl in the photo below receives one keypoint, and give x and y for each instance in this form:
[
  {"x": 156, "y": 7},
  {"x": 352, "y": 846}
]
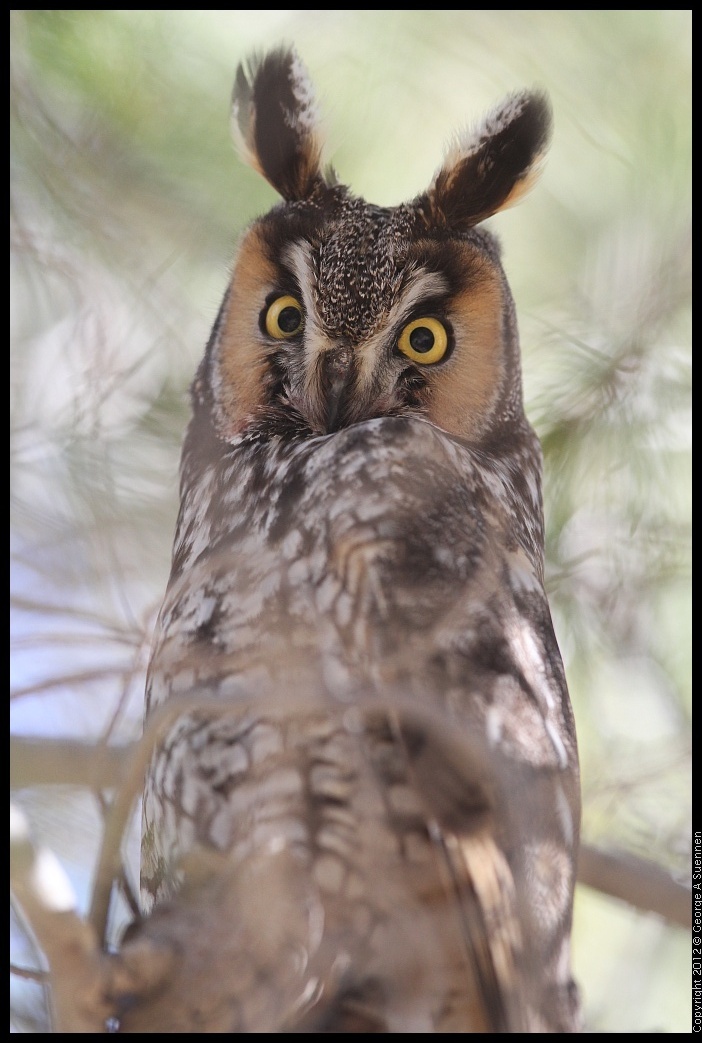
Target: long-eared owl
[{"x": 365, "y": 730}]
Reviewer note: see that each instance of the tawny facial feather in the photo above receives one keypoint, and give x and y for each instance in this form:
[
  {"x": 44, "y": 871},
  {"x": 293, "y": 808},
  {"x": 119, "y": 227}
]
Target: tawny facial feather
[{"x": 242, "y": 363}]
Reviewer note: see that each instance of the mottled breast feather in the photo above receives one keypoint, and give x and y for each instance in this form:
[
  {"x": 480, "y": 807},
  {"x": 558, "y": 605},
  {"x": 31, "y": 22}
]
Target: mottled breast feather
[{"x": 361, "y": 716}]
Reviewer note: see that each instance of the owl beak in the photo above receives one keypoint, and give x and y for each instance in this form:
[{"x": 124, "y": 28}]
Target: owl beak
[{"x": 337, "y": 376}]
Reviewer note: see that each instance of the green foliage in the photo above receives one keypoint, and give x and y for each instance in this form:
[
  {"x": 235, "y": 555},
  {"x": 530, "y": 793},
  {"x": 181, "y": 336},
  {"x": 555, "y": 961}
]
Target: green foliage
[{"x": 126, "y": 200}]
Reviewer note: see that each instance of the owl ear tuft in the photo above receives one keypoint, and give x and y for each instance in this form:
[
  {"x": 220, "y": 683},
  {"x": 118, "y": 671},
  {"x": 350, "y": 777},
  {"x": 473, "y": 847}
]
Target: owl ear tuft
[
  {"x": 492, "y": 166},
  {"x": 275, "y": 124}
]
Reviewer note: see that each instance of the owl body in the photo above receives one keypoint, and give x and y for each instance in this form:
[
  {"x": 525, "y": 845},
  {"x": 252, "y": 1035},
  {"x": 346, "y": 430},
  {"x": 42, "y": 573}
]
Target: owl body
[{"x": 365, "y": 716}]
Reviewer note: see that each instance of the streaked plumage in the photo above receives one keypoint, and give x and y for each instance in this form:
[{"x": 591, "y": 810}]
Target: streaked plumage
[{"x": 376, "y": 733}]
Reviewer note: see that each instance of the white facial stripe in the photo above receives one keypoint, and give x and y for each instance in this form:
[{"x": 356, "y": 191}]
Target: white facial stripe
[
  {"x": 298, "y": 259},
  {"x": 420, "y": 286}
]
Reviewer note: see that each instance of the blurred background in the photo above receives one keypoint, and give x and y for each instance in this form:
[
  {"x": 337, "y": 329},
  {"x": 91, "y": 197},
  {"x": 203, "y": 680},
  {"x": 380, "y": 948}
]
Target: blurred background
[{"x": 126, "y": 202}]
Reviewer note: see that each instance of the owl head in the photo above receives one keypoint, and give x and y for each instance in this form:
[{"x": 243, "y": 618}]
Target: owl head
[{"x": 339, "y": 311}]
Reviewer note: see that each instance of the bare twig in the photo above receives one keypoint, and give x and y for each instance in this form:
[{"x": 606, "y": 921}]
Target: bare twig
[
  {"x": 69, "y": 681},
  {"x": 641, "y": 883},
  {"x": 46, "y": 896},
  {"x": 89, "y": 986},
  {"x": 29, "y": 973},
  {"x": 637, "y": 881},
  {"x": 62, "y": 762}
]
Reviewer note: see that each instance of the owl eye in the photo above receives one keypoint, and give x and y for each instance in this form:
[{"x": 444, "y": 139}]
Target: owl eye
[
  {"x": 424, "y": 340},
  {"x": 284, "y": 318}
]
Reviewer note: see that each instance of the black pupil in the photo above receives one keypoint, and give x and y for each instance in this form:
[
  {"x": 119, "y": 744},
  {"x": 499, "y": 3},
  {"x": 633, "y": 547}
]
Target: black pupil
[
  {"x": 289, "y": 319},
  {"x": 421, "y": 339}
]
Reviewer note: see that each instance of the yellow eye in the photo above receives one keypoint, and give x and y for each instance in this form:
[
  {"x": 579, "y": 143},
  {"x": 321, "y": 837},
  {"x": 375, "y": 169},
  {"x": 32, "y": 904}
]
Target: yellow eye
[
  {"x": 284, "y": 318},
  {"x": 424, "y": 341}
]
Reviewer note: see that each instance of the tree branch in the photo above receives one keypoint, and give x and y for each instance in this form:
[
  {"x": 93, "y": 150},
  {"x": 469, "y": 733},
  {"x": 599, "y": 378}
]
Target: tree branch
[
  {"x": 642, "y": 883},
  {"x": 635, "y": 880}
]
